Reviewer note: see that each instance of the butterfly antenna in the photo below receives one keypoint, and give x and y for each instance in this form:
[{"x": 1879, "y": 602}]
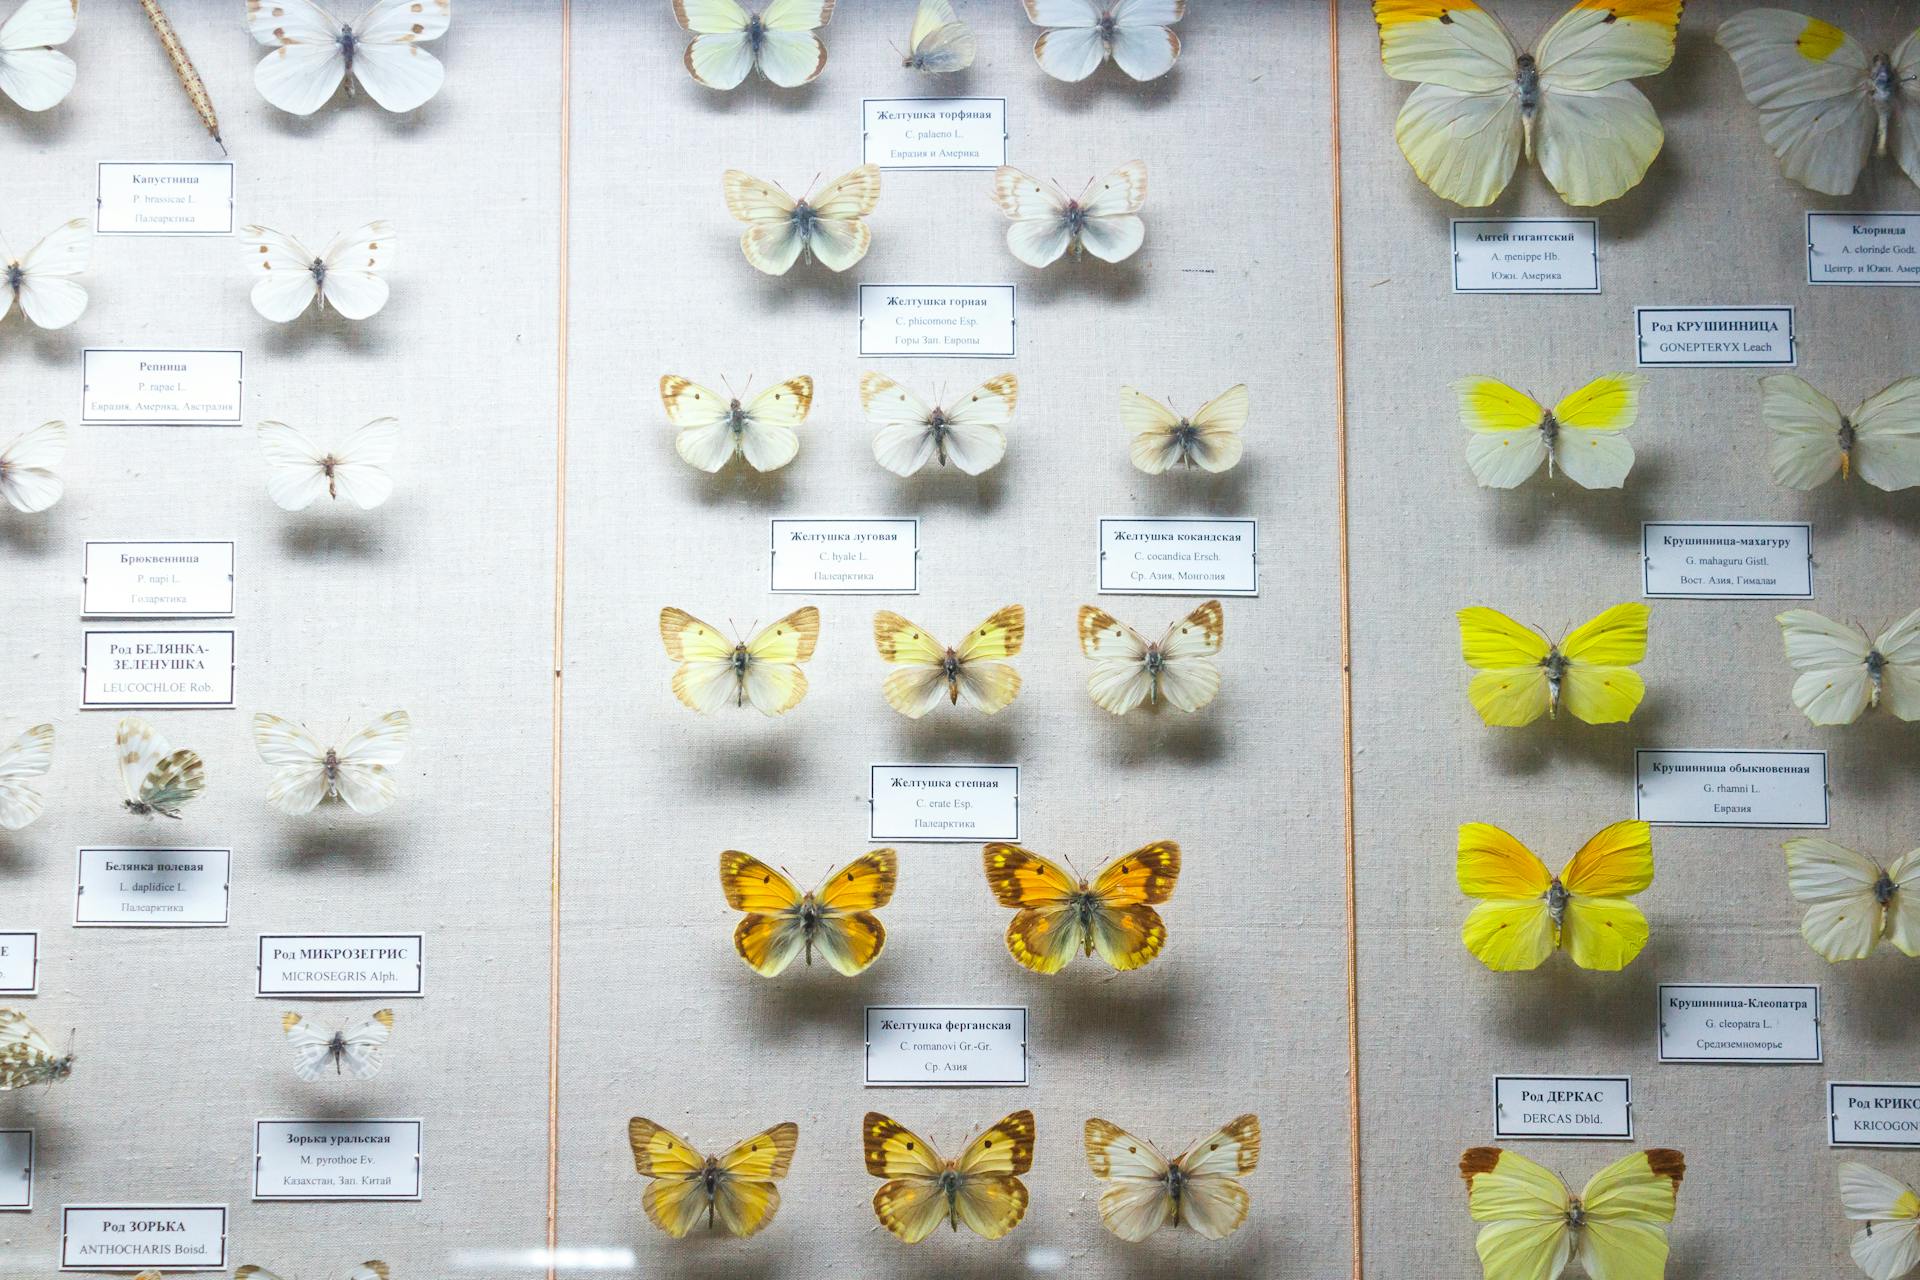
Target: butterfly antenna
[{"x": 729, "y": 384}]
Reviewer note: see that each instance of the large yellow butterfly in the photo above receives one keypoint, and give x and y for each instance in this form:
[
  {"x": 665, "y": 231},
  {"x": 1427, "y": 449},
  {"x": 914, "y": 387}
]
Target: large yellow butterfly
[
  {"x": 735, "y": 1189},
  {"x": 782, "y": 922},
  {"x": 1526, "y": 913},
  {"x": 1197, "y": 1189},
  {"x": 1060, "y": 913},
  {"x": 1513, "y": 433},
  {"x": 1535, "y": 1225},
  {"x": 1520, "y": 675},
  {"x": 764, "y": 670},
  {"x": 973, "y": 670},
  {"x": 979, "y": 1187}
]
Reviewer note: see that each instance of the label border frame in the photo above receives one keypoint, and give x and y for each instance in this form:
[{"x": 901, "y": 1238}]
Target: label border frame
[
  {"x": 226, "y": 1233},
  {"x": 773, "y": 555},
  {"x": 1100, "y": 556},
  {"x": 1793, "y": 338},
  {"x": 860, "y": 320},
  {"x": 33, "y": 990},
  {"x": 419, "y": 1124},
  {"x": 1826, "y": 789},
  {"x": 1453, "y": 251},
  {"x": 1833, "y": 1118},
  {"x": 1026, "y": 1050},
  {"x": 260, "y": 970},
  {"x": 1646, "y": 561},
  {"x": 1819, "y": 1026},
  {"x": 1625, "y": 1080},
  {"x": 1006, "y": 135},
  {"x": 873, "y": 768},
  {"x": 233, "y": 591},
  {"x": 231, "y": 702},
  {"x": 222, "y": 424},
  {"x": 233, "y": 198},
  {"x": 79, "y": 885},
  {"x": 1855, "y": 213}
]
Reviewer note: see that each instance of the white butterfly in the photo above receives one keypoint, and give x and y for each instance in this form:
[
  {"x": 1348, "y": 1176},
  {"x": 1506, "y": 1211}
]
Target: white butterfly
[
  {"x": 1813, "y": 440},
  {"x": 715, "y": 428},
  {"x": 1199, "y": 1188},
  {"x": 779, "y": 227},
  {"x": 1082, "y": 34},
  {"x": 313, "y": 52},
  {"x": 298, "y": 471},
  {"x": 1825, "y": 102},
  {"x": 345, "y": 276},
  {"x": 1127, "y": 670},
  {"x": 1888, "y": 1246},
  {"x": 32, "y": 72},
  {"x": 1852, "y": 902},
  {"x": 353, "y": 1050},
  {"x": 1210, "y": 439},
  {"x": 371, "y": 1270},
  {"x": 27, "y": 756},
  {"x": 969, "y": 433},
  {"x": 729, "y": 41},
  {"x": 1842, "y": 672},
  {"x": 1046, "y": 222},
  {"x": 25, "y": 1056},
  {"x": 154, "y": 778},
  {"x": 39, "y": 278},
  {"x": 27, "y": 480},
  {"x": 940, "y": 42},
  {"x": 359, "y": 774}
]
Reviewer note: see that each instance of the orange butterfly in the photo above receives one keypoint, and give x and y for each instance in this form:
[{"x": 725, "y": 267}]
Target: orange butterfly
[
  {"x": 1060, "y": 912},
  {"x": 837, "y": 916},
  {"x": 979, "y": 1187}
]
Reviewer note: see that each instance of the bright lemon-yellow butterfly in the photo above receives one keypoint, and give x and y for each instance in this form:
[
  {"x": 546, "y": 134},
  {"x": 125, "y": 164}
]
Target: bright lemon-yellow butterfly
[
  {"x": 1616, "y": 1226},
  {"x": 1581, "y": 435},
  {"x": 1527, "y": 913},
  {"x": 1521, "y": 675}
]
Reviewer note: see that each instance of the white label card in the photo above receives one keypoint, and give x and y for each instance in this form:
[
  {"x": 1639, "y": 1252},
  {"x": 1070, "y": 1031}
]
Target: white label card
[
  {"x": 1721, "y": 1022},
  {"x": 16, "y": 1170},
  {"x": 346, "y": 965},
  {"x": 1715, "y": 337},
  {"x": 1685, "y": 787},
  {"x": 1722, "y": 560},
  {"x": 157, "y": 580},
  {"x": 1154, "y": 556},
  {"x": 1860, "y": 1114},
  {"x": 336, "y": 1159},
  {"x": 19, "y": 963},
  {"x": 923, "y": 1046},
  {"x": 967, "y": 320},
  {"x": 161, "y": 388},
  {"x": 156, "y": 669},
  {"x": 165, "y": 199},
  {"x": 152, "y": 888},
  {"x": 935, "y": 133},
  {"x": 1863, "y": 248},
  {"x": 846, "y": 557},
  {"x": 1526, "y": 255},
  {"x": 136, "y": 1237},
  {"x": 1588, "y": 1107},
  {"x": 943, "y": 803}
]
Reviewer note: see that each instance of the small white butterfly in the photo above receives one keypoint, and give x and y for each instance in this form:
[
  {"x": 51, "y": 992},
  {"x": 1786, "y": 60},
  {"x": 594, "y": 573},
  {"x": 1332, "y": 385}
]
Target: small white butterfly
[
  {"x": 359, "y": 774},
  {"x": 27, "y": 480},
  {"x": 969, "y": 433},
  {"x": 1047, "y": 223},
  {"x": 26, "y": 1058},
  {"x": 346, "y": 275},
  {"x": 314, "y": 52},
  {"x": 32, "y": 72},
  {"x": 353, "y": 1050},
  {"x": 155, "y": 778},
  {"x": 1129, "y": 670},
  {"x": 729, "y": 41},
  {"x": 1209, "y": 440},
  {"x": 714, "y": 429},
  {"x": 372, "y": 1270},
  {"x": 40, "y": 277},
  {"x": 27, "y": 756},
  {"x": 940, "y": 43},
  {"x": 1082, "y": 34},
  {"x": 299, "y": 471},
  {"x": 780, "y": 228}
]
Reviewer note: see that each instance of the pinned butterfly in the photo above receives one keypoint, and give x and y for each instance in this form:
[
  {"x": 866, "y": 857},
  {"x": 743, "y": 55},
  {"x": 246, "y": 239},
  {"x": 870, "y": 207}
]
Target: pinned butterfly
[
  {"x": 300, "y": 472},
  {"x": 980, "y": 1187},
  {"x": 351, "y": 1050},
  {"x": 1059, "y": 914},
  {"x": 1048, "y": 223},
  {"x": 26, "y": 1057},
  {"x": 1198, "y": 1189},
  {"x": 41, "y": 279},
  {"x": 730, "y": 40},
  {"x": 381, "y": 51},
  {"x": 33, "y": 73},
  {"x": 836, "y": 917},
  {"x": 1535, "y": 1225},
  {"x": 1520, "y": 675},
  {"x": 358, "y": 773},
  {"x": 1512, "y": 433},
  {"x": 1852, "y": 902},
  {"x": 939, "y": 43},
  {"x": 154, "y": 778},
  {"x": 829, "y": 228},
  {"x": 974, "y": 672},
  {"x": 1813, "y": 441},
  {"x": 1887, "y": 1246},
  {"x": 1526, "y": 913},
  {"x": 28, "y": 478},
  {"x": 348, "y": 275},
  {"x": 28, "y": 756},
  {"x": 1135, "y": 35},
  {"x": 764, "y": 671},
  {"x": 1129, "y": 670},
  {"x": 734, "y": 1191},
  {"x": 970, "y": 433},
  {"x": 1162, "y": 439},
  {"x": 1843, "y": 671},
  {"x": 715, "y": 429}
]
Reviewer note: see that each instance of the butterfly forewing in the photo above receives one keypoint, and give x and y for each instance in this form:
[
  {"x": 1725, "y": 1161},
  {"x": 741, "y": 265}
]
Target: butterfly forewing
[{"x": 28, "y": 756}]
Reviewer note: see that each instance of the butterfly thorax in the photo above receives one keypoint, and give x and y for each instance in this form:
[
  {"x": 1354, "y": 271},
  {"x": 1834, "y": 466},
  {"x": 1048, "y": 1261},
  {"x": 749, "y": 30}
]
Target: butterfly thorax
[
  {"x": 1109, "y": 28},
  {"x": 736, "y": 418},
  {"x": 1557, "y": 899},
  {"x": 1550, "y": 432},
  {"x": 937, "y": 423},
  {"x": 756, "y": 32},
  {"x": 950, "y": 1188},
  {"x": 337, "y": 1050},
  {"x": 332, "y": 766},
  {"x": 1883, "y": 82},
  {"x": 1085, "y": 906},
  {"x": 950, "y": 667},
  {"x": 1526, "y": 83},
  {"x": 16, "y": 276},
  {"x": 1186, "y": 437},
  {"x": 740, "y": 660},
  {"x": 1555, "y": 665},
  {"x": 1176, "y": 1184},
  {"x": 1576, "y": 1213},
  {"x": 809, "y": 913},
  {"x": 1884, "y": 888},
  {"x": 327, "y": 465},
  {"x": 318, "y": 269}
]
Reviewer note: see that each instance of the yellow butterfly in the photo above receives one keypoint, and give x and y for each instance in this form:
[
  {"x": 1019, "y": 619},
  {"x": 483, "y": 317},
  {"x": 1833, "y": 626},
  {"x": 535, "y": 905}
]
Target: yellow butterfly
[
  {"x": 1535, "y": 1225},
  {"x": 973, "y": 671},
  {"x": 714, "y": 429},
  {"x": 1209, "y": 440},
  {"x": 837, "y": 917},
  {"x": 736, "y": 1189},
  {"x": 1129, "y": 670},
  {"x": 979, "y": 1188},
  {"x": 780, "y": 228},
  {"x": 1521, "y": 675},
  {"x": 1198, "y": 1189},
  {"x": 1526, "y": 913},
  {"x": 764, "y": 670},
  {"x": 1059, "y": 913},
  {"x": 1513, "y": 433}
]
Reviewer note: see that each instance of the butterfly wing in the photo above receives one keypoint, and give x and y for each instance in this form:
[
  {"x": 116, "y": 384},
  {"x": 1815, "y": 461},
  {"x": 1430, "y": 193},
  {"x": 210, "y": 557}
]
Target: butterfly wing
[
  {"x": 298, "y": 761},
  {"x": 940, "y": 43},
  {"x": 1143, "y": 44},
  {"x": 177, "y": 779},
  {"x": 838, "y": 237},
  {"x": 791, "y": 54},
  {"x": 1833, "y": 685},
  {"x": 363, "y": 1043},
  {"x": 1525, "y": 1209},
  {"x": 769, "y": 438},
  {"x": 773, "y": 240},
  {"x": 773, "y": 682},
  {"x": 354, "y": 261},
  {"x": 1157, "y": 444},
  {"x": 1507, "y": 444},
  {"x": 1599, "y": 686},
  {"x": 1628, "y": 1205},
  {"x": 1590, "y": 448},
  {"x": 1218, "y": 426},
  {"x": 1041, "y": 231},
  {"x": 910, "y": 1204},
  {"x": 1461, "y": 128},
  {"x": 976, "y": 436},
  {"x": 676, "y": 1198},
  {"x": 1602, "y": 929},
  {"x": 985, "y": 682},
  {"x": 312, "y": 1046},
  {"x": 705, "y": 679},
  {"x": 990, "y": 1199},
  {"x": 1072, "y": 47},
  {"x": 1188, "y": 678},
  {"x": 1138, "y": 1203},
  {"x": 1511, "y": 928},
  {"x": 745, "y": 1198},
  {"x": 1126, "y": 931},
  {"x": 905, "y": 441},
  {"x": 917, "y": 686},
  {"x": 1886, "y": 446},
  {"x": 1888, "y": 1247},
  {"x": 307, "y": 62},
  {"x": 721, "y": 52},
  {"x": 25, "y": 1055},
  {"x": 364, "y": 768},
  {"x": 849, "y": 935},
  {"x": 35, "y": 76},
  {"x": 284, "y": 284},
  {"x": 1044, "y": 933},
  {"x": 27, "y": 479},
  {"x": 705, "y": 421},
  {"x": 1112, "y": 231},
  {"x": 27, "y": 756},
  {"x": 1120, "y": 680},
  {"x": 1805, "y": 451},
  {"x": 1844, "y": 918},
  {"x": 1899, "y": 646},
  {"x": 296, "y": 471},
  {"x": 360, "y": 469},
  {"x": 1596, "y": 135},
  {"x": 140, "y": 748},
  {"x": 48, "y": 295},
  {"x": 1510, "y": 685},
  {"x": 1810, "y": 81},
  {"x": 770, "y": 936},
  {"x": 1214, "y": 1203},
  {"x": 387, "y": 58}
]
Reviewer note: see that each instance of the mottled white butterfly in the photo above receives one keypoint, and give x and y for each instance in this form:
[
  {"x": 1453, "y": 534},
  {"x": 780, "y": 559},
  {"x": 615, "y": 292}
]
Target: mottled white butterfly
[
  {"x": 1163, "y": 439},
  {"x": 1082, "y": 34},
  {"x": 729, "y": 41},
  {"x": 1129, "y": 670},
  {"x": 315, "y": 52},
  {"x": 1047, "y": 222},
  {"x": 968, "y": 433},
  {"x": 1843, "y": 671},
  {"x": 373, "y": 1269},
  {"x": 1199, "y": 1188},
  {"x": 299, "y": 471},
  {"x": 346, "y": 275},
  {"x": 27, "y": 464},
  {"x": 154, "y": 778},
  {"x": 27, "y": 756},
  {"x": 780, "y": 228},
  {"x": 1813, "y": 441},
  {"x": 41, "y": 279},
  {"x": 32, "y": 72},
  {"x": 715, "y": 429},
  {"x": 305, "y": 772},
  {"x": 352, "y": 1050},
  {"x": 25, "y": 1056},
  {"x": 940, "y": 42}
]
